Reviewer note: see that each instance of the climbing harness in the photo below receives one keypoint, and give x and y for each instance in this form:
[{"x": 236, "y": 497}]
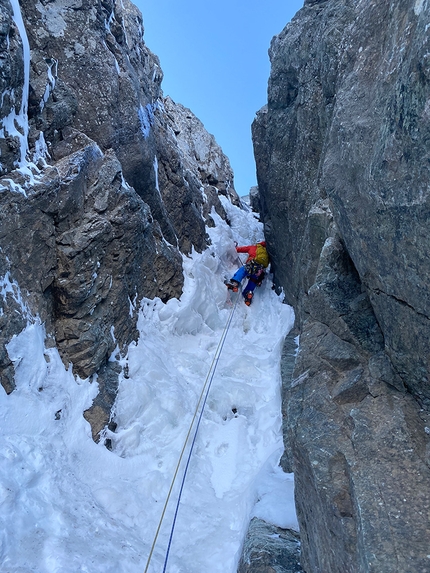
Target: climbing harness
[
  {"x": 253, "y": 268},
  {"x": 202, "y": 400}
]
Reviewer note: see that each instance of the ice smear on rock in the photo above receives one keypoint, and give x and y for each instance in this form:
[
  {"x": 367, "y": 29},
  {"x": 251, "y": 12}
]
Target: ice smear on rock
[
  {"x": 15, "y": 124},
  {"x": 21, "y": 118}
]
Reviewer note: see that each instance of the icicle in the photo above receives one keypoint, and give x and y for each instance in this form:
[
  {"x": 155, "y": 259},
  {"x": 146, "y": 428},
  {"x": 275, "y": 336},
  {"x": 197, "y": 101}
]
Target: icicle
[
  {"x": 155, "y": 164},
  {"x": 21, "y": 119},
  {"x": 41, "y": 150},
  {"x": 52, "y": 77},
  {"x": 146, "y": 116}
]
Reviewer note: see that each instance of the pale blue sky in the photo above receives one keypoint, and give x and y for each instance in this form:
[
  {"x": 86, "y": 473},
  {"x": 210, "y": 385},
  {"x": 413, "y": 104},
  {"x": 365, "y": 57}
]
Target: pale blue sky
[{"x": 214, "y": 58}]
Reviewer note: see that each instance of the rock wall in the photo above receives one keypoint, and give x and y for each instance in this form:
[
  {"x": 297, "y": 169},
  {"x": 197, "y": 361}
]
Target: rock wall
[
  {"x": 99, "y": 198},
  {"x": 343, "y": 173},
  {"x": 268, "y": 549}
]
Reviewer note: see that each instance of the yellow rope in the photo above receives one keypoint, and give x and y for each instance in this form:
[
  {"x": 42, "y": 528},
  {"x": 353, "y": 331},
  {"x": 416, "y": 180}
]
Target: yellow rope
[{"x": 186, "y": 442}]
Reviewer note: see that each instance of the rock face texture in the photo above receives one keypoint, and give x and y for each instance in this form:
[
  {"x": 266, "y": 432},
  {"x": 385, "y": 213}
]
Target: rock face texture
[
  {"x": 99, "y": 193},
  {"x": 342, "y": 151},
  {"x": 270, "y": 549}
]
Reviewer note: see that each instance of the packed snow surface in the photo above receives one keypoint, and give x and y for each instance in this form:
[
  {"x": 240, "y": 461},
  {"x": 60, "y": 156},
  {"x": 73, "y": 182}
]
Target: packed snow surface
[{"x": 70, "y": 505}]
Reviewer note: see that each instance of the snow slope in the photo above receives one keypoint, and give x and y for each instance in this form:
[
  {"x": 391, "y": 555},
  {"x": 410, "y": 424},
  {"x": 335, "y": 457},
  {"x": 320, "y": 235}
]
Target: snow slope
[{"x": 68, "y": 504}]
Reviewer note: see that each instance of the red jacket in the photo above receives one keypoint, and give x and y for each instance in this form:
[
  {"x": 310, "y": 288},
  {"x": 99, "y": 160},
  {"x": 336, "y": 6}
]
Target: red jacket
[{"x": 251, "y": 250}]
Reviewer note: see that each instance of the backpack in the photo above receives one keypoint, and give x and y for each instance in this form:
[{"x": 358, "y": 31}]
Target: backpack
[{"x": 261, "y": 256}]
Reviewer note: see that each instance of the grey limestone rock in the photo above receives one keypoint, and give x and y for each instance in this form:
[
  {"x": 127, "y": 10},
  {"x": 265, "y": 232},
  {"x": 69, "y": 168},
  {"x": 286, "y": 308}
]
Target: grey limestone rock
[
  {"x": 200, "y": 153},
  {"x": 343, "y": 175},
  {"x": 89, "y": 252},
  {"x": 254, "y": 199},
  {"x": 107, "y": 84},
  {"x": 207, "y": 173}
]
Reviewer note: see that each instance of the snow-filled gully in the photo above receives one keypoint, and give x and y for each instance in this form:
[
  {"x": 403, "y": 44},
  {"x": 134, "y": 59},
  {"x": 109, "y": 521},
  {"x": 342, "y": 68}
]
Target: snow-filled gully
[{"x": 68, "y": 504}]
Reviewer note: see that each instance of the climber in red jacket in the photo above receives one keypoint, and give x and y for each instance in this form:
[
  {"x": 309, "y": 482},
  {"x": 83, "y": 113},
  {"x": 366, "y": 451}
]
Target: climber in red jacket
[{"x": 253, "y": 269}]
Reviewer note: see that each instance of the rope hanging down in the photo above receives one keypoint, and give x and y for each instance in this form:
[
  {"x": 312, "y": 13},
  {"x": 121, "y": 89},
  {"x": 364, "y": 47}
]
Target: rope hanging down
[{"x": 203, "y": 398}]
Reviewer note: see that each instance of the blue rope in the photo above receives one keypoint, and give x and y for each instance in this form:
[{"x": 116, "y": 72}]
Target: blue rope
[{"x": 195, "y": 435}]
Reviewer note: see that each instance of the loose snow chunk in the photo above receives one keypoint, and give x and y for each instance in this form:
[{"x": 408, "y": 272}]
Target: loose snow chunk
[
  {"x": 275, "y": 493},
  {"x": 26, "y": 353}
]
